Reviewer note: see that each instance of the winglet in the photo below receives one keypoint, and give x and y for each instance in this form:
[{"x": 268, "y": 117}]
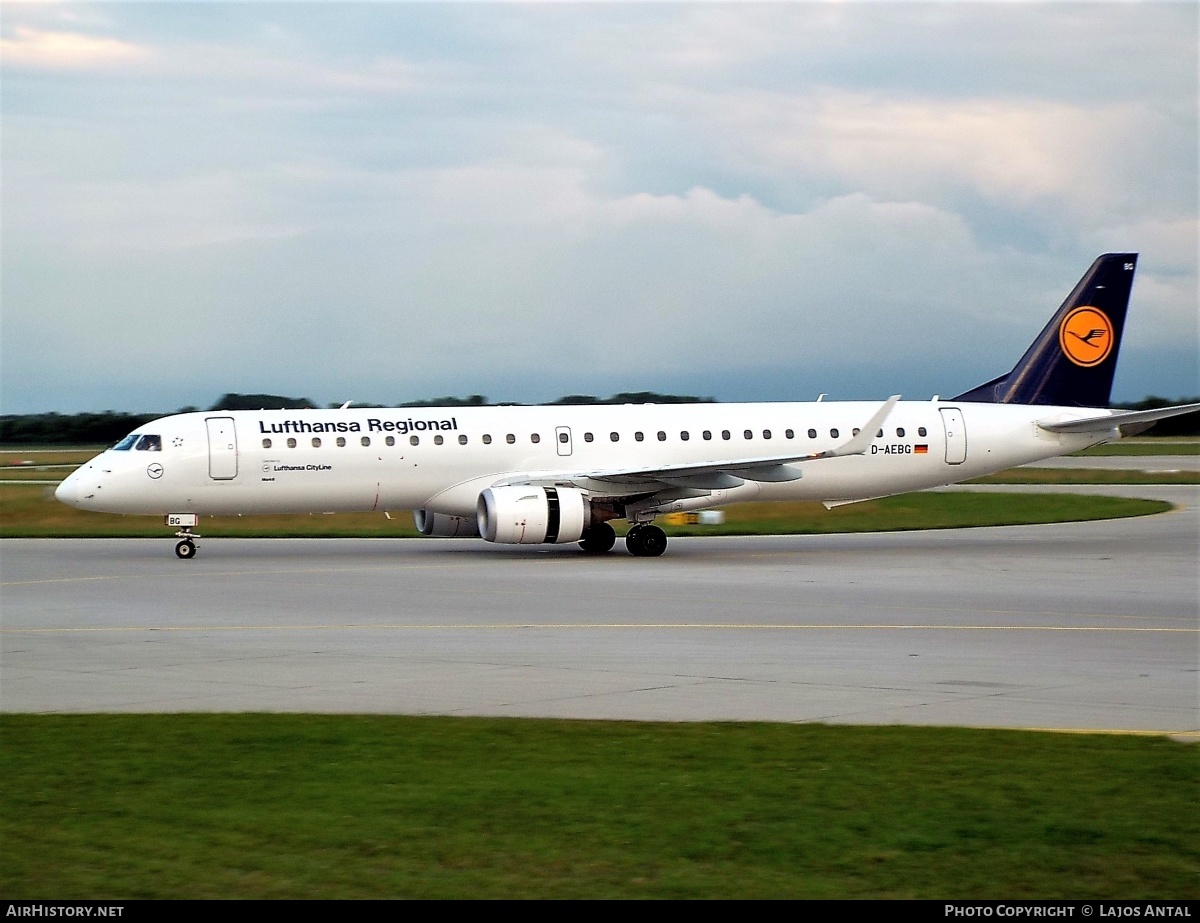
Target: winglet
[{"x": 860, "y": 443}]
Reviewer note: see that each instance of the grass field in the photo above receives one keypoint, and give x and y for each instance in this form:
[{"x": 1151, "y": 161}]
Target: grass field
[
  {"x": 30, "y": 511},
  {"x": 305, "y": 806},
  {"x": 1086, "y": 476},
  {"x": 1183, "y": 445},
  {"x": 17, "y": 458}
]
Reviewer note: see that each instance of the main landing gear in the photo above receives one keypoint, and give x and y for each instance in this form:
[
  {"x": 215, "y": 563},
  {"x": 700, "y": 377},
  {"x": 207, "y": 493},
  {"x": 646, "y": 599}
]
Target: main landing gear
[
  {"x": 598, "y": 539},
  {"x": 645, "y": 541}
]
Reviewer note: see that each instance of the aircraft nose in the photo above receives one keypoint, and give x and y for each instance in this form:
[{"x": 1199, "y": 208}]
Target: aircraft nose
[{"x": 68, "y": 491}]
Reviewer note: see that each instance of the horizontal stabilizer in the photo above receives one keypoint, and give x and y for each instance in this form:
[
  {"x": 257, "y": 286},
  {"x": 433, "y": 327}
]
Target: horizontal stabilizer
[{"x": 1110, "y": 421}]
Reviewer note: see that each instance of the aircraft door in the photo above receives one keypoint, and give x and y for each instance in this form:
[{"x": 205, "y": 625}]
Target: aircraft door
[
  {"x": 222, "y": 448},
  {"x": 562, "y": 439},
  {"x": 956, "y": 435}
]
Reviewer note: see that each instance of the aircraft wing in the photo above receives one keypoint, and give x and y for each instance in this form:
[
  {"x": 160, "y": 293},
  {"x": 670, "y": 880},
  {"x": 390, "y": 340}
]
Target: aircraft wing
[
  {"x": 1128, "y": 421},
  {"x": 715, "y": 475}
]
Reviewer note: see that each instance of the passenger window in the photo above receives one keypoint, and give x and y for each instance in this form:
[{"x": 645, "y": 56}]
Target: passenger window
[
  {"x": 921, "y": 431},
  {"x": 833, "y": 433},
  {"x": 662, "y": 437},
  {"x": 535, "y": 438},
  {"x": 614, "y": 437},
  {"x": 266, "y": 443},
  {"x": 856, "y": 431},
  {"x": 789, "y": 434},
  {"x": 707, "y": 434},
  {"x": 748, "y": 434},
  {"x": 510, "y": 439},
  {"x": 462, "y": 440},
  {"x": 562, "y": 437},
  {"x": 149, "y": 444},
  {"x": 588, "y": 437},
  {"x": 724, "y": 434},
  {"x": 437, "y": 440},
  {"x": 812, "y": 434},
  {"x": 766, "y": 434},
  {"x": 366, "y": 440},
  {"x": 487, "y": 439},
  {"x": 390, "y": 440},
  {"x": 684, "y": 436},
  {"x": 316, "y": 442},
  {"x": 414, "y": 440},
  {"x": 341, "y": 442},
  {"x": 291, "y": 442},
  {"x": 639, "y": 436},
  {"x": 899, "y": 431}
]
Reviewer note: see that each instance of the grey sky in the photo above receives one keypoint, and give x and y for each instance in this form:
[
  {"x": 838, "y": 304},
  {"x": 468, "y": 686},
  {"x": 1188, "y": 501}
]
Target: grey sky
[{"x": 384, "y": 202}]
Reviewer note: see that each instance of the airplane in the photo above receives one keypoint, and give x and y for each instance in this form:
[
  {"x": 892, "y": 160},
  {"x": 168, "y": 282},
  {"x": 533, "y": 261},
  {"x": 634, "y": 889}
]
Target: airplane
[{"x": 561, "y": 474}]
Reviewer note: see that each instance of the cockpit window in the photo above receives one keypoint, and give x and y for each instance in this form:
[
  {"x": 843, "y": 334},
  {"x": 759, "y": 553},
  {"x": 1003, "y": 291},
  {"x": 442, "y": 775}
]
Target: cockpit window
[
  {"x": 127, "y": 443},
  {"x": 149, "y": 443}
]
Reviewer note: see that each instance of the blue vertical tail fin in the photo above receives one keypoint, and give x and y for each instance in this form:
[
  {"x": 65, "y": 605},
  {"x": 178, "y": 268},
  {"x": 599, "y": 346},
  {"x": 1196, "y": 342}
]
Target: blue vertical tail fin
[{"x": 1072, "y": 361}]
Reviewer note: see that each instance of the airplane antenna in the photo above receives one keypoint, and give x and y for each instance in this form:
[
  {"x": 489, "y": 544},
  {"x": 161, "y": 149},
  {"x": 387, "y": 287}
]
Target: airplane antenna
[
  {"x": 345, "y": 405},
  {"x": 820, "y": 397}
]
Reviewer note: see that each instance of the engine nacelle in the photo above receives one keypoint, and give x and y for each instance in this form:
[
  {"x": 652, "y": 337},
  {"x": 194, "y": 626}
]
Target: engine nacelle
[
  {"x": 444, "y": 525},
  {"x": 533, "y": 515}
]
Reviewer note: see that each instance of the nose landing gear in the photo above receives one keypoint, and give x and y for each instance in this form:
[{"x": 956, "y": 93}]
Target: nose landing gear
[{"x": 186, "y": 549}]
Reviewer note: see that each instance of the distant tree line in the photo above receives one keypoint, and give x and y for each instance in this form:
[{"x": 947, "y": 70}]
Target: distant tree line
[
  {"x": 109, "y": 426},
  {"x": 69, "y": 428},
  {"x": 1187, "y": 424}
]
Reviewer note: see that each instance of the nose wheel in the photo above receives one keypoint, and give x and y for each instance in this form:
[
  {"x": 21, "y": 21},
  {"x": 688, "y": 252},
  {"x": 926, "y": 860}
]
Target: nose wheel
[{"x": 186, "y": 549}]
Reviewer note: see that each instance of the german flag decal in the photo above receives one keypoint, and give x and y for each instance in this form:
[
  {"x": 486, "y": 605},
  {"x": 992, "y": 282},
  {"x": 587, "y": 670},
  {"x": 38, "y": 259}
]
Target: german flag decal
[
  {"x": 921, "y": 449},
  {"x": 1086, "y": 336}
]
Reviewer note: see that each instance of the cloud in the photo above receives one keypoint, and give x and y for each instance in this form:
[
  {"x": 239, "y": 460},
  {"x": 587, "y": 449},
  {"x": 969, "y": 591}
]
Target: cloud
[
  {"x": 379, "y": 201},
  {"x": 1019, "y": 154},
  {"x": 152, "y": 215},
  {"x": 41, "y": 49}
]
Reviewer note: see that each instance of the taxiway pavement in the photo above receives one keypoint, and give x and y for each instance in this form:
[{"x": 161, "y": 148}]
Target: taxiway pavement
[{"x": 1089, "y": 626}]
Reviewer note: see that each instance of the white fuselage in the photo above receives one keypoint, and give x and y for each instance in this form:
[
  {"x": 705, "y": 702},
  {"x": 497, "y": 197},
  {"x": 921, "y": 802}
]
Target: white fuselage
[{"x": 441, "y": 458}]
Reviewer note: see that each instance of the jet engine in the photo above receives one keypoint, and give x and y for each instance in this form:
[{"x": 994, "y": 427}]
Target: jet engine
[
  {"x": 533, "y": 515},
  {"x": 443, "y": 525}
]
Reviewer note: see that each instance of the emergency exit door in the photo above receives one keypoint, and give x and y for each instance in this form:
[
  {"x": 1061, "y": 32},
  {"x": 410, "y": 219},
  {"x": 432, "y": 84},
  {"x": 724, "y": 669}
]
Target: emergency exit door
[{"x": 562, "y": 439}]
